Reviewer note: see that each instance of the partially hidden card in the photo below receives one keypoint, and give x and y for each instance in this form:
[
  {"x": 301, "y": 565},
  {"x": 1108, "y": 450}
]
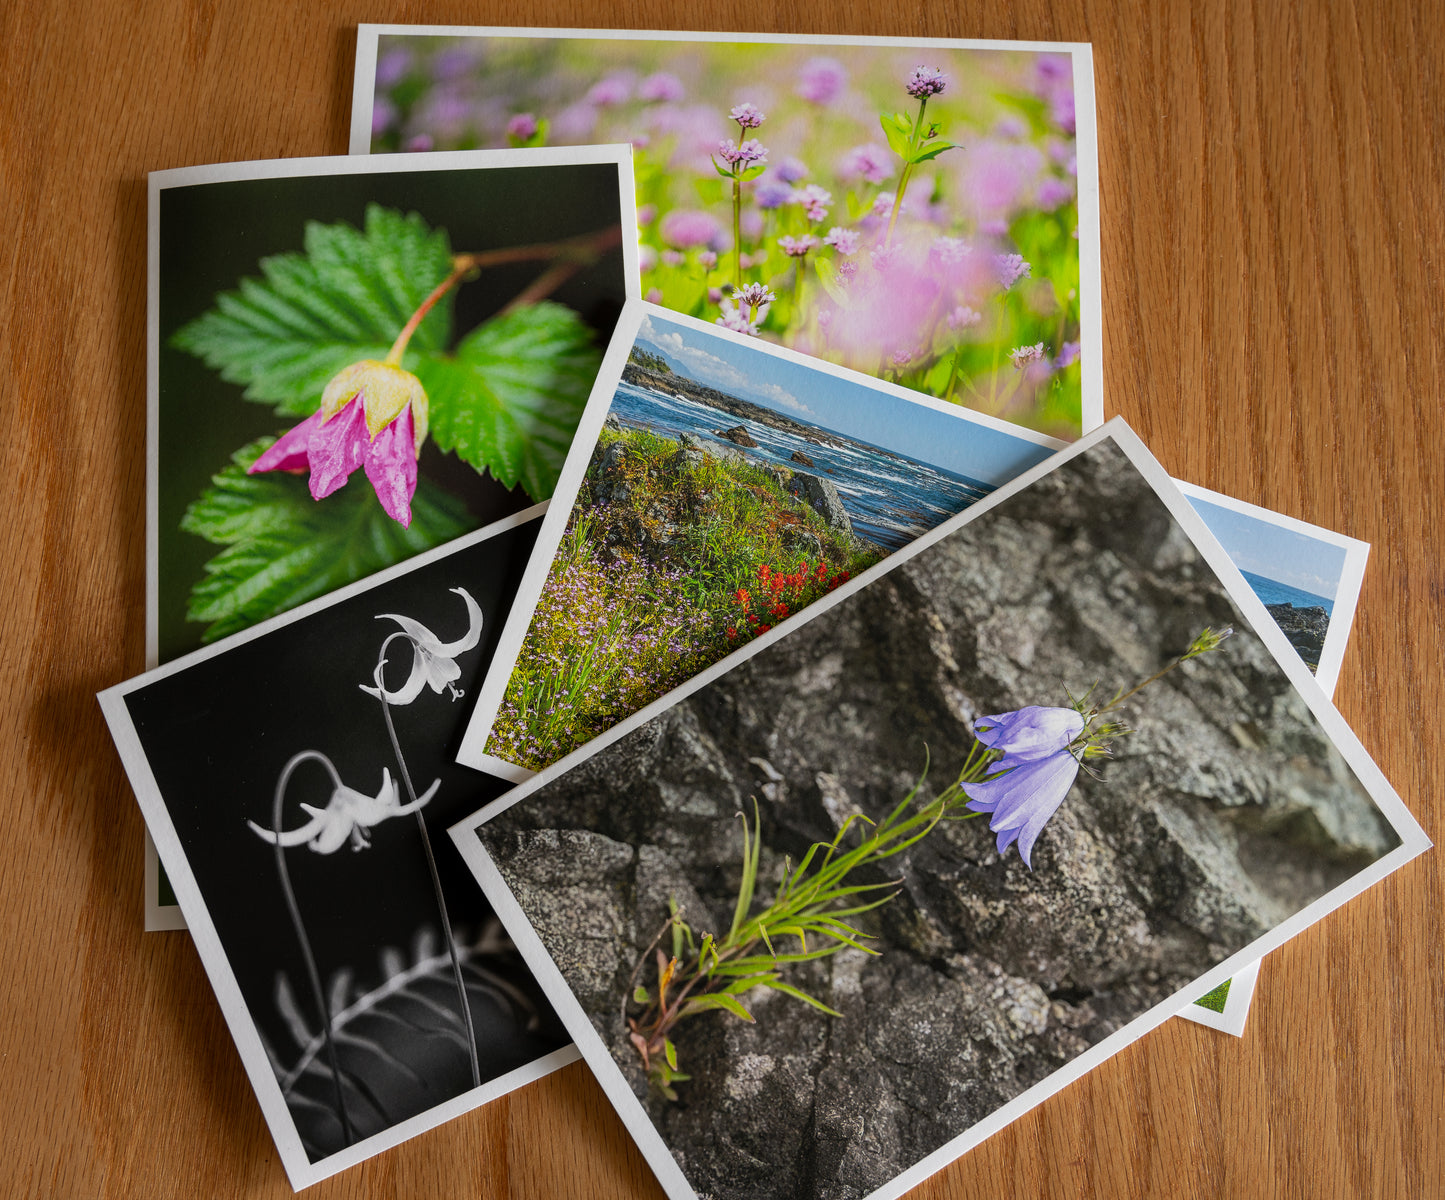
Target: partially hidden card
[
  {"x": 853, "y": 898},
  {"x": 353, "y": 360},
  {"x": 298, "y": 779},
  {"x": 922, "y": 210}
]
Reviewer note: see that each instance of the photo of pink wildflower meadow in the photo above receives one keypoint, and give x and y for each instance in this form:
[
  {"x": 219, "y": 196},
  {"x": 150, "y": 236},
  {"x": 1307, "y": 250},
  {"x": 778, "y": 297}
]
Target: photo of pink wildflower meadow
[{"x": 911, "y": 212}]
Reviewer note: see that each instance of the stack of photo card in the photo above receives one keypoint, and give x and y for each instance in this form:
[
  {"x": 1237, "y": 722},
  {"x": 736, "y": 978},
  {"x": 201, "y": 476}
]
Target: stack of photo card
[
  {"x": 806, "y": 537},
  {"x": 815, "y": 936}
]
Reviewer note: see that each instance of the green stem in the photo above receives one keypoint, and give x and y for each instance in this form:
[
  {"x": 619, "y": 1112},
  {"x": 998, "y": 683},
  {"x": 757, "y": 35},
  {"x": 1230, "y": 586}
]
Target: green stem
[
  {"x": 907, "y": 171},
  {"x": 738, "y": 231},
  {"x": 952, "y": 375}
]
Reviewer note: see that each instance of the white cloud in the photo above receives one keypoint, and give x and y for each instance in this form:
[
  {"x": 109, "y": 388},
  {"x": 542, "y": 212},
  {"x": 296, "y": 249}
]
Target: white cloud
[{"x": 715, "y": 372}]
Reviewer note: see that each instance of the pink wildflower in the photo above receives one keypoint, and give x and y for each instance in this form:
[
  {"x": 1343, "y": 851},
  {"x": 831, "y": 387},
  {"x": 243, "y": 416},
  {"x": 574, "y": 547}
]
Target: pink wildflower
[
  {"x": 815, "y": 201},
  {"x": 925, "y": 82},
  {"x": 870, "y": 162},
  {"x": 684, "y": 228},
  {"x": 1024, "y": 356},
  {"x": 821, "y": 80},
  {"x": 748, "y": 116},
  {"x": 844, "y": 241},
  {"x": 660, "y": 88},
  {"x": 797, "y": 247},
  {"x": 751, "y": 153}
]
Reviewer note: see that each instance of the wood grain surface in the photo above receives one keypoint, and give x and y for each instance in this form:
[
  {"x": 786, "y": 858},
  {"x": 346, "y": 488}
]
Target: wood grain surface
[{"x": 1274, "y": 323}]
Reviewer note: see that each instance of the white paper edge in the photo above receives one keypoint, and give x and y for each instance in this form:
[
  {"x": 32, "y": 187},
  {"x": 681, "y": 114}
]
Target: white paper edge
[
  {"x": 634, "y": 1116},
  {"x": 299, "y": 1170},
  {"x": 1236, "y": 1004},
  {"x": 165, "y": 916},
  {"x": 519, "y": 618},
  {"x": 1091, "y": 318}
]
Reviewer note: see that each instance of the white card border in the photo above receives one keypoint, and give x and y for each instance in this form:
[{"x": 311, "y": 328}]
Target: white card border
[
  {"x": 299, "y": 1169},
  {"x": 1091, "y": 317},
  {"x": 472, "y": 752},
  {"x": 1236, "y": 1004},
  {"x": 1413, "y": 840}
]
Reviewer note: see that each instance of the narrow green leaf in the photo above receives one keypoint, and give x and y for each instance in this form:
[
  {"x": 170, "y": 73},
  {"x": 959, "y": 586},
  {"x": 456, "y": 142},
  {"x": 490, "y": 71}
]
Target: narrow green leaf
[
  {"x": 798, "y": 994},
  {"x": 716, "y": 1000},
  {"x": 671, "y": 1052}
]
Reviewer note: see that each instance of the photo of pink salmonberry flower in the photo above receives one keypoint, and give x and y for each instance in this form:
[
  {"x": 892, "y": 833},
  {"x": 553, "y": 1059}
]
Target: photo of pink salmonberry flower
[{"x": 913, "y": 209}]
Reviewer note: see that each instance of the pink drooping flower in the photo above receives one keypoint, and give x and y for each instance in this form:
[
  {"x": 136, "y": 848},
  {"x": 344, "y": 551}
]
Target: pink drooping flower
[
  {"x": 797, "y": 247},
  {"x": 373, "y": 415},
  {"x": 844, "y": 241},
  {"x": 684, "y": 228}
]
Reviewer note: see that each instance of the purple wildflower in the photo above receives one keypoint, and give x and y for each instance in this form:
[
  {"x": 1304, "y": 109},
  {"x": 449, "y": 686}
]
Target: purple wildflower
[
  {"x": 684, "y": 228},
  {"x": 661, "y": 88},
  {"x": 1023, "y": 356},
  {"x": 772, "y": 193},
  {"x": 615, "y": 89},
  {"x": 1035, "y": 774},
  {"x": 925, "y": 82},
  {"x": 419, "y": 144},
  {"x": 870, "y": 162},
  {"x": 815, "y": 201},
  {"x": 963, "y": 317},
  {"x": 901, "y": 358},
  {"x": 790, "y": 170},
  {"x": 672, "y": 258},
  {"x": 883, "y": 204},
  {"x": 847, "y": 271},
  {"x": 751, "y": 153},
  {"x": 1053, "y": 193},
  {"x": 756, "y": 296},
  {"x": 797, "y": 247},
  {"x": 383, "y": 115},
  {"x": 646, "y": 215},
  {"x": 748, "y": 116},
  {"x": 452, "y": 62},
  {"x": 950, "y": 251},
  {"x": 1068, "y": 355},
  {"x": 735, "y": 319},
  {"x": 708, "y": 259},
  {"x": 821, "y": 80},
  {"x": 391, "y": 66},
  {"x": 843, "y": 241},
  {"x": 1008, "y": 269},
  {"x": 654, "y": 295},
  {"x": 522, "y": 127}
]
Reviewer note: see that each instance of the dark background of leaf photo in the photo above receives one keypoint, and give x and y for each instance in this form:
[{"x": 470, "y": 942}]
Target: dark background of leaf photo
[
  {"x": 217, "y": 735},
  {"x": 213, "y": 235}
]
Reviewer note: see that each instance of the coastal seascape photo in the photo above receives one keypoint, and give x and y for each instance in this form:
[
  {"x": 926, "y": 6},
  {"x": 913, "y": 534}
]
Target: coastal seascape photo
[
  {"x": 923, "y": 211},
  {"x": 727, "y": 485},
  {"x": 848, "y": 903}
]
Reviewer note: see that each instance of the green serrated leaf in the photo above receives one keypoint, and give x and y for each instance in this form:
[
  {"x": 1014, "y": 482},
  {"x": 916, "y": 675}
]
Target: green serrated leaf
[
  {"x": 510, "y": 399},
  {"x": 283, "y": 548},
  {"x": 283, "y": 336}
]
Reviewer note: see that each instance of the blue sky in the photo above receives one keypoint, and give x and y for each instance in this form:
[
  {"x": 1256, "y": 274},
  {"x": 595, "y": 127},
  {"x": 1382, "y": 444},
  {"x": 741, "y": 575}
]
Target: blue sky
[
  {"x": 1262, "y": 548},
  {"x": 852, "y": 409}
]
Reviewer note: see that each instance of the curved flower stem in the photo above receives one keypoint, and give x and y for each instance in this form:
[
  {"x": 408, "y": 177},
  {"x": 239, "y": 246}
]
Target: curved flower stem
[
  {"x": 306, "y": 952},
  {"x": 738, "y": 231},
  {"x": 579, "y": 251},
  {"x": 798, "y": 292},
  {"x": 431, "y": 861}
]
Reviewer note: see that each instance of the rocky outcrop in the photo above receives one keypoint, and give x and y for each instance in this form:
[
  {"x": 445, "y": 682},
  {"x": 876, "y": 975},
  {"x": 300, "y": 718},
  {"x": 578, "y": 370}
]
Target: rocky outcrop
[
  {"x": 738, "y": 435},
  {"x": 800, "y": 458},
  {"x": 1226, "y": 810},
  {"x": 822, "y": 497},
  {"x": 1306, "y": 629}
]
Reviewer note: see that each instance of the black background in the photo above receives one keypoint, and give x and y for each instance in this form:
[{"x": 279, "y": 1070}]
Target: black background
[
  {"x": 218, "y": 734},
  {"x": 212, "y": 235}
]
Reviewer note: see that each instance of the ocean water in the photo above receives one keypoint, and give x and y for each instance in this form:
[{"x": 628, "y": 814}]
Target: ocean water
[
  {"x": 890, "y": 499},
  {"x": 1273, "y": 592}
]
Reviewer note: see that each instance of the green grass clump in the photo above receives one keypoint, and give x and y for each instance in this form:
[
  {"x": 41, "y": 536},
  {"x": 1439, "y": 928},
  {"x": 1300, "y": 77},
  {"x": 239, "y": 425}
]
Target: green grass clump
[{"x": 669, "y": 562}]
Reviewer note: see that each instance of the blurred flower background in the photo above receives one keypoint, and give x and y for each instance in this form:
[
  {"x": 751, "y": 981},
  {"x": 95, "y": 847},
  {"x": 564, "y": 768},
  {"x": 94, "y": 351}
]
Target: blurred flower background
[{"x": 913, "y": 211}]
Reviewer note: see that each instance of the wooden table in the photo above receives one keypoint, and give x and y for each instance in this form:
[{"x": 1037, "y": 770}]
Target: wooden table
[{"x": 1273, "y": 239}]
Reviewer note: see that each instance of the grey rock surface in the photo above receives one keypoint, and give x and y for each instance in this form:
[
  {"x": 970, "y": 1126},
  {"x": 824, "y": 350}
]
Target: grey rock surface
[
  {"x": 1224, "y": 812},
  {"x": 822, "y": 497}
]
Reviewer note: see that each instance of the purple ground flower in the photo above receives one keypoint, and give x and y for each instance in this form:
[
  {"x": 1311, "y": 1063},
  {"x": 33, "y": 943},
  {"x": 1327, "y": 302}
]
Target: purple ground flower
[
  {"x": 661, "y": 88},
  {"x": 790, "y": 170},
  {"x": 391, "y": 66},
  {"x": 1008, "y": 269},
  {"x": 1068, "y": 355},
  {"x": 950, "y": 251},
  {"x": 453, "y": 62},
  {"x": 756, "y": 295},
  {"x": 1038, "y": 769},
  {"x": 684, "y": 228},
  {"x": 707, "y": 259},
  {"x": 870, "y": 162},
  {"x": 925, "y": 82},
  {"x": 844, "y": 241},
  {"x": 751, "y": 153},
  {"x": 383, "y": 115},
  {"x": 672, "y": 258},
  {"x": 797, "y": 247},
  {"x": 821, "y": 80},
  {"x": 748, "y": 116},
  {"x": 815, "y": 201},
  {"x": 419, "y": 144},
  {"x": 646, "y": 215},
  {"x": 654, "y": 296}
]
